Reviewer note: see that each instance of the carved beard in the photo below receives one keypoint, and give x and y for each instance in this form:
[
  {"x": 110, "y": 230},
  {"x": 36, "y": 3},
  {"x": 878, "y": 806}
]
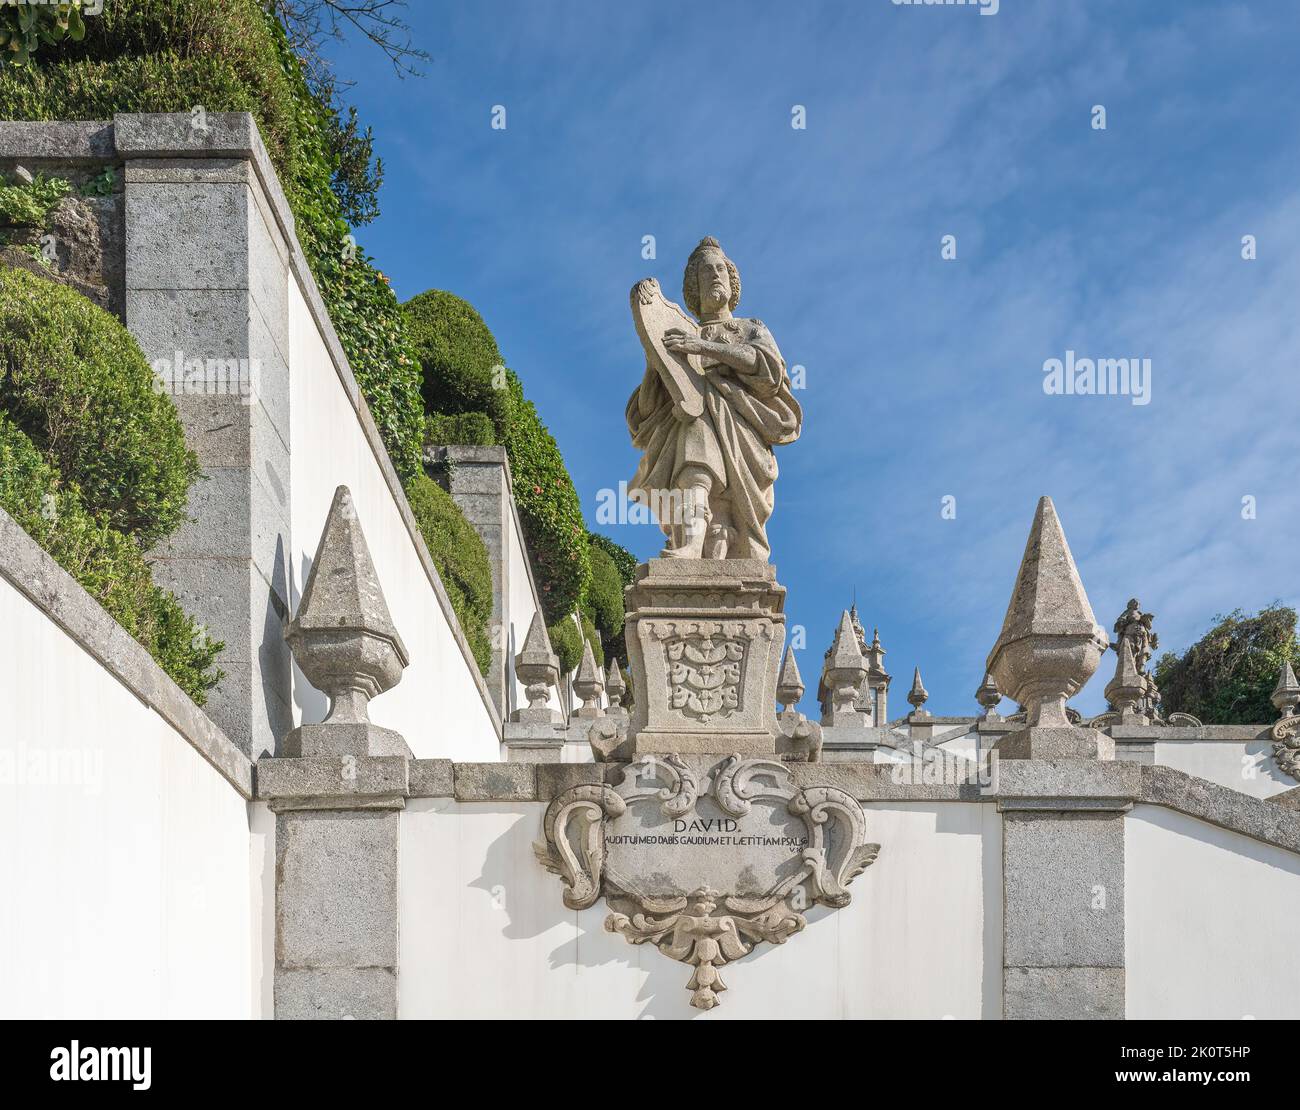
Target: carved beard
[{"x": 713, "y": 296}]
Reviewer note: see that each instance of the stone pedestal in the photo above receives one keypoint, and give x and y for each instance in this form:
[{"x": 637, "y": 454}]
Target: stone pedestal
[
  {"x": 1063, "y": 886},
  {"x": 336, "y": 908},
  {"x": 704, "y": 642},
  {"x": 1050, "y": 742},
  {"x": 533, "y": 743}
]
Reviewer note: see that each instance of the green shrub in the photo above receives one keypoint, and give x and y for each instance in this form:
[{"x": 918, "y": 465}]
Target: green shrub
[
  {"x": 1227, "y": 677},
  {"x": 548, "y": 508},
  {"x": 624, "y": 561},
  {"x": 460, "y": 364},
  {"x": 605, "y": 593},
  {"x": 30, "y": 205},
  {"x": 109, "y": 565},
  {"x": 230, "y": 56},
  {"x": 25, "y": 28},
  {"x": 462, "y": 428},
  {"x": 461, "y": 558},
  {"x": 566, "y": 642},
  {"x": 75, "y": 381}
]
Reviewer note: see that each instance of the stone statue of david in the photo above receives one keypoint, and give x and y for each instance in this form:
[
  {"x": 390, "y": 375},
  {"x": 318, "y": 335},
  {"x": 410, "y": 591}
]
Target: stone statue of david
[{"x": 714, "y": 402}]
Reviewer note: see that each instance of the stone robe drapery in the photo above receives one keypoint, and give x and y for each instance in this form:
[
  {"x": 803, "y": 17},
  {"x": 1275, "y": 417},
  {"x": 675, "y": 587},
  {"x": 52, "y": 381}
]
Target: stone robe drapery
[{"x": 745, "y": 415}]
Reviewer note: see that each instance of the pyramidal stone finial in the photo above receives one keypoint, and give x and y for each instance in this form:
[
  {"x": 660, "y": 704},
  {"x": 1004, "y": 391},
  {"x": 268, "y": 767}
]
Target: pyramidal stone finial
[
  {"x": 1124, "y": 691},
  {"x": 343, "y": 638},
  {"x": 538, "y": 668},
  {"x": 789, "y": 683},
  {"x": 917, "y": 696},
  {"x": 1286, "y": 695},
  {"x": 1050, "y": 644},
  {"x": 588, "y": 684},
  {"x": 615, "y": 688},
  {"x": 846, "y": 672}
]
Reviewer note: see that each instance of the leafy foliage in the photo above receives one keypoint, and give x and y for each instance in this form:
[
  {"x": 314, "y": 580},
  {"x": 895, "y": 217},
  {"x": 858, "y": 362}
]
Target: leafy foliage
[
  {"x": 460, "y": 363},
  {"x": 473, "y": 428},
  {"x": 625, "y": 563},
  {"x": 463, "y": 373},
  {"x": 1227, "y": 676},
  {"x": 25, "y": 28},
  {"x": 230, "y": 55},
  {"x": 461, "y": 559},
  {"x": 548, "y": 508},
  {"x": 603, "y": 603},
  {"x": 25, "y": 204},
  {"x": 566, "y": 642},
  {"x": 107, "y": 563},
  {"x": 76, "y": 383}
]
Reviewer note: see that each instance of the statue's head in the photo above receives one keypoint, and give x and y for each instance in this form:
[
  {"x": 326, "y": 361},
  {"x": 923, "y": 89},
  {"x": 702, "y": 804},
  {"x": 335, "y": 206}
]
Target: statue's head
[{"x": 711, "y": 282}]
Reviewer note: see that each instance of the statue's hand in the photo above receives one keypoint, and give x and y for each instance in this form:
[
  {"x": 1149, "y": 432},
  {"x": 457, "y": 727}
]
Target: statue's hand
[{"x": 679, "y": 342}]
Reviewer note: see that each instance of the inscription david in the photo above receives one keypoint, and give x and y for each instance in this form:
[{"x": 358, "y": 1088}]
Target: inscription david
[{"x": 706, "y": 860}]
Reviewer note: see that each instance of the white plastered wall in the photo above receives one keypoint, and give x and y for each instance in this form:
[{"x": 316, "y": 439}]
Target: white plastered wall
[
  {"x": 484, "y": 932},
  {"x": 1210, "y": 921},
  {"x": 126, "y": 879}
]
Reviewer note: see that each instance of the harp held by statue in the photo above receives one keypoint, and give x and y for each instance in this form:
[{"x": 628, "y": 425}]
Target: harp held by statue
[{"x": 682, "y": 374}]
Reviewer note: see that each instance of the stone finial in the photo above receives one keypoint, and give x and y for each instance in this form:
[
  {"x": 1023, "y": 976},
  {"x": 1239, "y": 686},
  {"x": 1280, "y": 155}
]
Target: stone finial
[
  {"x": 1050, "y": 644},
  {"x": 1286, "y": 695},
  {"x": 615, "y": 688},
  {"x": 588, "y": 685},
  {"x": 989, "y": 697},
  {"x": 917, "y": 696},
  {"x": 1125, "y": 692},
  {"x": 538, "y": 668},
  {"x": 846, "y": 672},
  {"x": 789, "y": 684},
  {"x": 343, "y": 639},
  {"x": 875, "y": 654}
]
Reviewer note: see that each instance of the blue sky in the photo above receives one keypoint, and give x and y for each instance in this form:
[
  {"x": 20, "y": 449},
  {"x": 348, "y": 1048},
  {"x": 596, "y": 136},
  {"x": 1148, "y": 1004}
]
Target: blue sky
[{"x": 924, "y": 376}]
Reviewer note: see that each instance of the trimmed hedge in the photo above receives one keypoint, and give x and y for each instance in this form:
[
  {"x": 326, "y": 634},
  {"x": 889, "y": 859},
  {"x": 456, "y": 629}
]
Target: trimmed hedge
[
  {"x": 462, "y": 371},
  {"x": 77, "y": 384},
  {"x": 625, "y": 563},
  {"x": 566, "y": 642},
  {"x": 230, "y": 56},
  {"x": 107, "y": 563},
  {"x": 461, "y": 558},
  {"x": 548, "y": 507},
  {"x": 474, "y": 428},
  {"x": 461, "y": 366},
  {"x": 605, "y": 593}
]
